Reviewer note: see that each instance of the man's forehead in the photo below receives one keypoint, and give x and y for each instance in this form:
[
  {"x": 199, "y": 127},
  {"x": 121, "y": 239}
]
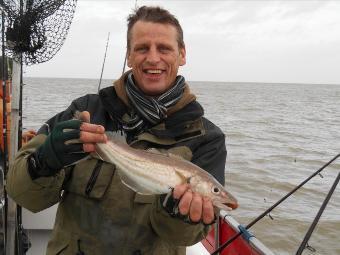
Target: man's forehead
[{"x": 155, "y": 27}]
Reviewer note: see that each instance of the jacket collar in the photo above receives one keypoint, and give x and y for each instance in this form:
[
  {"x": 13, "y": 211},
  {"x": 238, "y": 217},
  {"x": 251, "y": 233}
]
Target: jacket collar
[
  {"x": 187, "y": 97},
  {"x": 116, "y": 103}
]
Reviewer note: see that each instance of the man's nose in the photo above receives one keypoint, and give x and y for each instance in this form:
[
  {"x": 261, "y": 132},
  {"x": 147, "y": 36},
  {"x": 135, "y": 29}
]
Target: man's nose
[{"x": 153, "y": 56}]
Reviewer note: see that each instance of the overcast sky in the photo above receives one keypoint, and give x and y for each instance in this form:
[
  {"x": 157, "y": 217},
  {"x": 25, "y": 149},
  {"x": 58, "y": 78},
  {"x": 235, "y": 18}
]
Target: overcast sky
[{"x": 233, "y": 41}]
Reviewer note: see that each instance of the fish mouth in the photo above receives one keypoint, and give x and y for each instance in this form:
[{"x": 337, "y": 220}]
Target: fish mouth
[
  {"x": 228, "y": 200},
  {"x": 226, "y": 206},
  {"x": 233, "y": 206}
]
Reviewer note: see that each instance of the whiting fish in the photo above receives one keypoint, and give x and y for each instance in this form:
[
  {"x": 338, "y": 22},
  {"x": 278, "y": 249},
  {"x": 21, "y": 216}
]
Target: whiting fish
[{"x": 148, "y": 172}]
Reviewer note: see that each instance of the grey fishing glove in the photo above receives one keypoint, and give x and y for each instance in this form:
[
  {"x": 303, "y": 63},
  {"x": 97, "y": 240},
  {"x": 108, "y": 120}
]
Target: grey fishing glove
[{"x": 57, "y": 151}]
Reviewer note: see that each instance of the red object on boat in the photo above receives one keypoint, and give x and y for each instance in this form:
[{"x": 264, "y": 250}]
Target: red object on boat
[{"x": 244, "y": 245}]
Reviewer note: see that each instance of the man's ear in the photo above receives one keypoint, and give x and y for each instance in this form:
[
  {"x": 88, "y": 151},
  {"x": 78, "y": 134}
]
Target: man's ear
[{"x": 182, "y": 55}]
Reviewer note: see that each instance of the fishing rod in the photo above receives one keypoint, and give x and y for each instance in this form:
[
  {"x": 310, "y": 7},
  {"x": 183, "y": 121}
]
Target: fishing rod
[
  {"x": 126, "y": 53},
  {"x": 228, "y": 242},
  {"x": 101, "y": 75},
  {"x": 317, "y": 217},
  {"x": 124, "y": 65}
]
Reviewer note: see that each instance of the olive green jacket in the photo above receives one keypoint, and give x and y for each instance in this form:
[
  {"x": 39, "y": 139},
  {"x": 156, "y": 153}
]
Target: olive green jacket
[{"x": 97, "y": 213}]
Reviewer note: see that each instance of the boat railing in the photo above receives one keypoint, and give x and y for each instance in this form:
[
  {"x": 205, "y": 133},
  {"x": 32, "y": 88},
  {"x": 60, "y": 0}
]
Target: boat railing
[{"x": 256, "y": 244}]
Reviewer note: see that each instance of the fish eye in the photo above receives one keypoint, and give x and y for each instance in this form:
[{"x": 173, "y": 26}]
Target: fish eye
[{"x": 215, "y": 190}]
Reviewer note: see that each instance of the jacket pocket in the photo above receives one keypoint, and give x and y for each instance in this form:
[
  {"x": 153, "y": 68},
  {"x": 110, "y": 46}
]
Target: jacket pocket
[{"x": 91, "y": 178}]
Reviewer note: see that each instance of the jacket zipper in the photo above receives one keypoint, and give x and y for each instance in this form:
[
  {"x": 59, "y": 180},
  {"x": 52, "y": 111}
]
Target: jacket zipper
[{"x": 93, "y": 177}]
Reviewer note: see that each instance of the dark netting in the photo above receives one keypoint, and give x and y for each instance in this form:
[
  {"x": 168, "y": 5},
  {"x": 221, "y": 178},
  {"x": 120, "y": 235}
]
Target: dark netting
[{"x": 39, "y": 31}]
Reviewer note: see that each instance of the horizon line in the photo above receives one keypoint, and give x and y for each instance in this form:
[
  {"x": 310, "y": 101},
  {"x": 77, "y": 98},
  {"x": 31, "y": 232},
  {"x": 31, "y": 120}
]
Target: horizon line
[{"x": 240, "y": 82}]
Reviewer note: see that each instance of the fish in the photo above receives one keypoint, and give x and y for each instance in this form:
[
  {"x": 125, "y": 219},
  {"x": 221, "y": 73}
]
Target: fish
[{"x": 149, "y": 172}]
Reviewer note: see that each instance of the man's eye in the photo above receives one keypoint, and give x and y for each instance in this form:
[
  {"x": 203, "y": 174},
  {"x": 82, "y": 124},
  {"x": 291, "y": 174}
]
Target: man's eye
[
  {"x": 141, "y": 49},
  {"x": 164, "y": 49}
]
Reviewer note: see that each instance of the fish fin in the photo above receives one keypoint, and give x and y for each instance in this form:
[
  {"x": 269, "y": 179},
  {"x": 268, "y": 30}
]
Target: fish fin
[
  {"x": 99, "y": 154},
  {"x": 183, "y": 178},
  {"x": 135, "y": 186},
  {"x": 175, "y": 156},
  {"x": 116, "y": 136},
  {"x": 154, "y": 150}
]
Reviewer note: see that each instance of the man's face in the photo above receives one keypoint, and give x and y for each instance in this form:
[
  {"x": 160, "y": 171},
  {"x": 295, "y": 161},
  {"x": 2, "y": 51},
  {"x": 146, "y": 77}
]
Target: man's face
[{"x": 154, "y": 56}]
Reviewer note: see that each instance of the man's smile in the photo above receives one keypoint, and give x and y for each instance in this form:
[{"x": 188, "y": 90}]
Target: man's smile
[
  {"x": 153, "y": 71},
  {"x": 153, "y": 75}
]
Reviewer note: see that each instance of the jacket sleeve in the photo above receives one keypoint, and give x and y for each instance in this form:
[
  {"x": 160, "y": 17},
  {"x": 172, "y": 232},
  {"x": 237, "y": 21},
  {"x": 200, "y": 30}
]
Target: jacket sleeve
[
  {"x": 43, "y": 192},
  {"x": 34, "y": 195},
  {"x": 211, "y": 153},
  {"x": 175, "y": 230}
]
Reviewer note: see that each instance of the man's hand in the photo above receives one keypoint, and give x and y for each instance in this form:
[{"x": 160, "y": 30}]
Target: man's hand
[
  {"x": 90, "y": 134},
  {"x": 194, "y": 205},
  {"x": 68, "y": 142}
]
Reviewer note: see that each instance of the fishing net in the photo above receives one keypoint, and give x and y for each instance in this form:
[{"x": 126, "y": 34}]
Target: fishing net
[{"x": 39, "y": 30}]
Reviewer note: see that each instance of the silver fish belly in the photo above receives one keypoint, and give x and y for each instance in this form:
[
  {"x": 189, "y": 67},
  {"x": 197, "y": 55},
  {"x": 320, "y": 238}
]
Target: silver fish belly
[{"x": 148, "y": 173}]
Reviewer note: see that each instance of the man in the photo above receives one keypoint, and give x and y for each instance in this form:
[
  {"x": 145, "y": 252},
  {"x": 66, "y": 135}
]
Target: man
[{"x": 150, "y": 106}]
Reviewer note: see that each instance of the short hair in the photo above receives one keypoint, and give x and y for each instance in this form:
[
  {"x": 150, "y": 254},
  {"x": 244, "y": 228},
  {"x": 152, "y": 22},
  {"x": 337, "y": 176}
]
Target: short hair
[{"x": 154, "y": 14}]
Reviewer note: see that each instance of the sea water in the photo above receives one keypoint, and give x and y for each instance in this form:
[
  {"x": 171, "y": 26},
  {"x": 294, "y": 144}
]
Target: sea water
[{"x": 276, "y": 134}]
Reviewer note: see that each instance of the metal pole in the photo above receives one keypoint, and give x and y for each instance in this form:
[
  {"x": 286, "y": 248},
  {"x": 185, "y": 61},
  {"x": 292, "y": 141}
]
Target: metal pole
[
  {"x": 19, "y": 229},
  {"x": 11, "y": 243},
  {"x": 217, "y": 234},
  {"x": 4, "y": 93},
  {"x": 4, "y": 155},
  {"x": 11, "y": 205}
]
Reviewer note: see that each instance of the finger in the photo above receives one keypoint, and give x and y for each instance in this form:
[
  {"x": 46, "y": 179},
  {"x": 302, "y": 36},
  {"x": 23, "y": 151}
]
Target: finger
[
  {"x": 184, "y": 203},
  {"x": 32, "y": 132},
  {"x": 89, "y": 147},
  {"x": 196, "y": 208},
  {"x": 208, "y": 211},
  {"x": 179, "y": 190},
  {"x": 92, "y": 128},
  {"x": 85, "y": 116},
  {"x": 88, "y": 137},
  {"x": 29, "y": 133}
]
